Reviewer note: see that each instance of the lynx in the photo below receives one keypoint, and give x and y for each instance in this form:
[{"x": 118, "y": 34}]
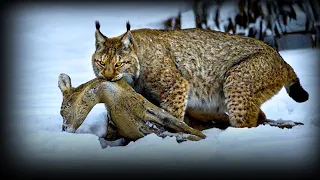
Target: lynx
[
  {"x": 198, "y": 73},
  {"x": 131, "y": 115}
]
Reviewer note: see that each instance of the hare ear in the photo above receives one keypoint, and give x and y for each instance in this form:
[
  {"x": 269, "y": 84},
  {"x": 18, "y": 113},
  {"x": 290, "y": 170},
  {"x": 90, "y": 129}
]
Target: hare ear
[
  {"x": 64, "y": 82},
  {"x": 100, "y": 38}
]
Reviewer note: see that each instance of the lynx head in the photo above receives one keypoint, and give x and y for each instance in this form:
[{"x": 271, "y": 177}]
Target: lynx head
[{"x": 116, "y": 57}]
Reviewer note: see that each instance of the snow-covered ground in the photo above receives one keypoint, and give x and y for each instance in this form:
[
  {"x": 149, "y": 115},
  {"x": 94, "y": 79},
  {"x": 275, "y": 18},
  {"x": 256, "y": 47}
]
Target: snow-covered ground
[{"x": 61, "y": 40}]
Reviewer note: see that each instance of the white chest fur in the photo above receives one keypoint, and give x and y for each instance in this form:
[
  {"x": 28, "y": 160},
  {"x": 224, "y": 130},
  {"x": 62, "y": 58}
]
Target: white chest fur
[{"x": 214, "y": 104}]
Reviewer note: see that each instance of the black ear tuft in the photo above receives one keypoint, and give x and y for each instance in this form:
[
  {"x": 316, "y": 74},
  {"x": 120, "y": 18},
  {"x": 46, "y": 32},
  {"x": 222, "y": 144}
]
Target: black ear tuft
[
  {"x": 97, "y": 25},
  {"x": 128, "y": 26}
]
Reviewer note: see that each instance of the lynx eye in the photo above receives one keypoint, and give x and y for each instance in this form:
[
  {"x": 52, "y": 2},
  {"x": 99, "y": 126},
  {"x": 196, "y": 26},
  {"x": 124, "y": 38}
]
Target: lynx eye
[
  {"x": 118, "y": 64},
  {"x": 101, "y": 63}
]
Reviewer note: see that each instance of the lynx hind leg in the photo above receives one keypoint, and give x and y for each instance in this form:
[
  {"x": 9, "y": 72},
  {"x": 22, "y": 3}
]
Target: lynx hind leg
[
  {"x": 243, "y": 110},
  {"x": 248, "y": 85},
  {"x": 174, "y": 100},
  {"x": 261, "y": 117}
]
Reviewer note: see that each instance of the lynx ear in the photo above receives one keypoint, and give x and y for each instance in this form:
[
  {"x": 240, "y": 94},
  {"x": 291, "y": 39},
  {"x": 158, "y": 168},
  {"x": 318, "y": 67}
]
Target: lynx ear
[
  {"x": 100, "y": 38},
  {"x": 64, "y": 82},
  {"x": 127, "y": 39}
]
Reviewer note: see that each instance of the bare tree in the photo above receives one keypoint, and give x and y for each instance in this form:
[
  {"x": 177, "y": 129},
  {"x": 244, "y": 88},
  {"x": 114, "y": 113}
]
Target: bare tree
[{"x": 271, "y": 15}]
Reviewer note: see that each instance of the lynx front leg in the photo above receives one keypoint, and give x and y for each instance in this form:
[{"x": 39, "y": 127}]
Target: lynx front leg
[
  {"x": 174, "y": 99},
  {"x": 164, "y": 81}
]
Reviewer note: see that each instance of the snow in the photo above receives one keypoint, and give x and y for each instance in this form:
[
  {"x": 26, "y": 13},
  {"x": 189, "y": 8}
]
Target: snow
[{"x": 61, "y": 40}]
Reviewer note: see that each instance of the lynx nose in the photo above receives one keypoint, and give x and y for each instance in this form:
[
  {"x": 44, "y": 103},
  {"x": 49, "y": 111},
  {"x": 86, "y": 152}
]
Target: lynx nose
[
  {"x": 108, "y": 77},
  {"x": 108, "y": 74}
]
